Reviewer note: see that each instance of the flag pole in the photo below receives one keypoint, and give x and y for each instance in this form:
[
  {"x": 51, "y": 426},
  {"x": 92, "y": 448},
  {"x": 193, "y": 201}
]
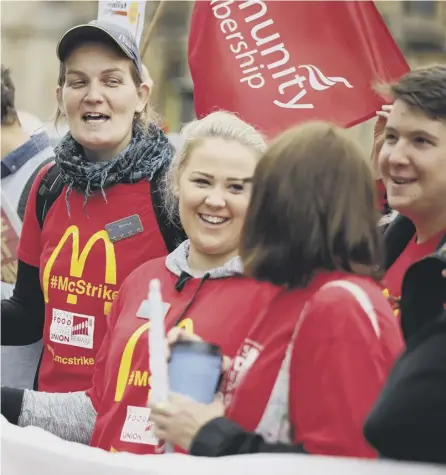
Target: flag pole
[{"x": 151, "y": 28}]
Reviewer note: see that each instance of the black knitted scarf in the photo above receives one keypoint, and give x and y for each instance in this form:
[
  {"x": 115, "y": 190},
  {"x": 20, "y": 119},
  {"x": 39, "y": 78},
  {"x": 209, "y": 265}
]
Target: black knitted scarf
[{"x": 148, "y": 151}]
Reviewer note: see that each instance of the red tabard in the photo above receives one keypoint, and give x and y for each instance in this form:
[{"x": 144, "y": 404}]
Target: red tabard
[
  {"x": 336, "y": 368},
  {"x": 222, "y": 313},
  {"x": 81, "y": 271}
]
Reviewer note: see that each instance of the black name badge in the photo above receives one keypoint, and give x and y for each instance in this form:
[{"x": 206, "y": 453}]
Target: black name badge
[{"x": 124, "y": 228}]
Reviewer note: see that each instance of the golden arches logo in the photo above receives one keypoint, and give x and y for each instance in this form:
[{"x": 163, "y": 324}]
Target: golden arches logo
[
  {"x": 77, "y": 263},
  {"x": 129, "y": 349},
  {"x": 395, "y": 308}
]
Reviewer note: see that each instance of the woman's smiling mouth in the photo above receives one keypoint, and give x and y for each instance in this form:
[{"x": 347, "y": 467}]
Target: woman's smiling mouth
[{"x": 213, "y": 220}]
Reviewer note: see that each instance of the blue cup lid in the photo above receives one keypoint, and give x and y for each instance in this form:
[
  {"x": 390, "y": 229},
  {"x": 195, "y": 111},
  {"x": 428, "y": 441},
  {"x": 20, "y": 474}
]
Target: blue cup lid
[{"x": 197, "y": 347}]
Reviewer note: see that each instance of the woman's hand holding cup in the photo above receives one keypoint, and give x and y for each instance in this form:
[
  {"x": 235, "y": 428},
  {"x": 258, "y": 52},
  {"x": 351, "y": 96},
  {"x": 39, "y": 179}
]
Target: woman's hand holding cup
[{"x": 177, "y": 334}]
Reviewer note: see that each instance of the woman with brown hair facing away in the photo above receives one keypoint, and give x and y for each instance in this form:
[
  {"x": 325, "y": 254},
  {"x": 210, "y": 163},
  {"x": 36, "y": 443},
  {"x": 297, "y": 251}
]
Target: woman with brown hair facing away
[{"x": 315, "y": 361}]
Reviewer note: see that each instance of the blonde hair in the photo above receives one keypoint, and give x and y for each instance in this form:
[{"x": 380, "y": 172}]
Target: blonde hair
[{"x": 220, "y": 124}]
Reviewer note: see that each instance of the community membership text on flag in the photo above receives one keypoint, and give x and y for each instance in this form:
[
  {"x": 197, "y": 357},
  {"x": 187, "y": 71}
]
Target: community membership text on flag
[{"x": 278, "y": 63}]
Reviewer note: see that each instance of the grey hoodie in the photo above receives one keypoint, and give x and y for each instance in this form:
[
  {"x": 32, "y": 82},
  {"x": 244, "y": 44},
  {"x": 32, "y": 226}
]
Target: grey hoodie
[{"x": 72, "y": 416}]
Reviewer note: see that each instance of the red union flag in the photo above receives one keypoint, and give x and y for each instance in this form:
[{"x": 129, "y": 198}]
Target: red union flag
[{"x": 278, "y": 63}]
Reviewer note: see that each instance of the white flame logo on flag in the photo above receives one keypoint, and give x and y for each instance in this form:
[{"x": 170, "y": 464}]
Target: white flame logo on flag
[{"x": 316, "y": 77}]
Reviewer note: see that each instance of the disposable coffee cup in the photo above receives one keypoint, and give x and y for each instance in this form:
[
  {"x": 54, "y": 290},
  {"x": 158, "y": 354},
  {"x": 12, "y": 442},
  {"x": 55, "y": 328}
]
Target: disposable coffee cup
[{"x": 195, "y": 369}]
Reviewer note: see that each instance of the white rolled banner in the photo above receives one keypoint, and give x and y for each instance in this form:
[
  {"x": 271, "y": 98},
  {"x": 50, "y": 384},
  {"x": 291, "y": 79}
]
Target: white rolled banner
[{"x": 31, "y": 450}]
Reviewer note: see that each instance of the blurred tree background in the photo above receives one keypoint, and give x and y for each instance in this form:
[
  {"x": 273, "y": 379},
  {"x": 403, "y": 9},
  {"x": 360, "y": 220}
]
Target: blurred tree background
[{"x": 30, "y": 31}]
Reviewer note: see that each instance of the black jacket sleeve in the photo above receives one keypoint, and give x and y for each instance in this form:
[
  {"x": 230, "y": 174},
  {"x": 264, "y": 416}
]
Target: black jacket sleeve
[
  {"x": 409, "y": 420},
  {"x": 11, "y": 404},
  {"x": 221, "y": 437},
  {"x": 23, "y": 315}
]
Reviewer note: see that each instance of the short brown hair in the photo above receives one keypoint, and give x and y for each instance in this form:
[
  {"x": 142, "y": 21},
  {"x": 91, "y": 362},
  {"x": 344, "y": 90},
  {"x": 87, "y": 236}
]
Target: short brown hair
[
  {"x": 9, "y": 113},
  {"x": 423, "y": 88},
  {"x": 312, "y": 208}
]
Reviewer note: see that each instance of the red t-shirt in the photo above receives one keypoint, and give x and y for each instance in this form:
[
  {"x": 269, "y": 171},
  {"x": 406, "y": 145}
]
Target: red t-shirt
[
  {"x": 321, "y": 394},
  {"x": 222, "y": 313},
  {"x": 393, "y": 280},
  {"x": 81, "y": 271}
]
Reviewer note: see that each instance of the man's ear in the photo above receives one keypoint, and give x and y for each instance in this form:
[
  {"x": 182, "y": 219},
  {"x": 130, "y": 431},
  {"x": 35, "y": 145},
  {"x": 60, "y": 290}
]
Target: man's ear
[{"x": 143, "y": 93}]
